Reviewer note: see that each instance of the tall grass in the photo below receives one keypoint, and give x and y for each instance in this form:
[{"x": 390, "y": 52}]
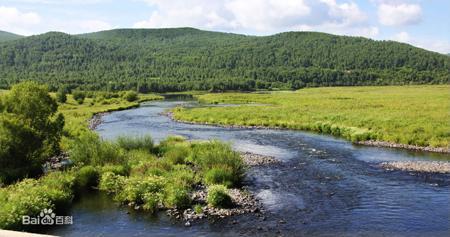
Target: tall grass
[{"x": 415, "y": 115}]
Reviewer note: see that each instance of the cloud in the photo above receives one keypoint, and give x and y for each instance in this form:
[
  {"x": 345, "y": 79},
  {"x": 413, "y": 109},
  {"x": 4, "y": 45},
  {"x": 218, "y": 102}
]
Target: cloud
[
  {"x": 260, "y": 16},
  {"x": 399, "y": 14},
  {"x": 441, "y": 46},
  {"x": 16, "y": 21}
]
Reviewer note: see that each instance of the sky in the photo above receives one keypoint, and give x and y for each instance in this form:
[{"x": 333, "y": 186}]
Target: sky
[{"x": 423, "y": 23}]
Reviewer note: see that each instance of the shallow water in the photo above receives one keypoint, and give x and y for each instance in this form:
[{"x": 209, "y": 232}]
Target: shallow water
[{"x": 324, "y": 186}]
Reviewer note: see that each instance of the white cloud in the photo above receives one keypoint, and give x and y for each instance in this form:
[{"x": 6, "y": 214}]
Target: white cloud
[
  {"x": 441, "y": 46},
  {"x": 16, "y": 21},
  {"x": 260, "y": 16},
  {"x": 399, "y": 14}
]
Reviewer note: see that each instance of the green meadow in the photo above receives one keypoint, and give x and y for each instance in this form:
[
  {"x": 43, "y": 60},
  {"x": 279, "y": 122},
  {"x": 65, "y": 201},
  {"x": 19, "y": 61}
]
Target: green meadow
[{"x": 415, "y": 115}]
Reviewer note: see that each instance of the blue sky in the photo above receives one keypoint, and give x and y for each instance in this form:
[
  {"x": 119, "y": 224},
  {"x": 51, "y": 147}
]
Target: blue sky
[{"x": 423, "y": 23}]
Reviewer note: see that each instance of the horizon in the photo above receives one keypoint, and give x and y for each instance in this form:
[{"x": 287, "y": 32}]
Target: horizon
[{"x": 419, "y": 23}]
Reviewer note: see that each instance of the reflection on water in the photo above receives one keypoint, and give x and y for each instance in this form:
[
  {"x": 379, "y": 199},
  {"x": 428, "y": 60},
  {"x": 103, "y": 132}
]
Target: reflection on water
[{"x": 324, "y": 186}]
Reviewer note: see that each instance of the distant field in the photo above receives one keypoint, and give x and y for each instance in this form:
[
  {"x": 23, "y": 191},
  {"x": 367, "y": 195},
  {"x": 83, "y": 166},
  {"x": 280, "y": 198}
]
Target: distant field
[{"x": 415, "y": 115}]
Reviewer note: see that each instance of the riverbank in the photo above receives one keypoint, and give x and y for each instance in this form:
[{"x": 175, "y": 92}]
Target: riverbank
[
  {"x": 418, "y": 166},
  {"x": 442, "y": 150}
]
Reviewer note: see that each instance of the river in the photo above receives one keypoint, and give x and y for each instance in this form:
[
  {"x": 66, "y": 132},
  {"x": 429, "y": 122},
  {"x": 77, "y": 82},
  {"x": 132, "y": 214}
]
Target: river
[{"x": 324, "y": 186}]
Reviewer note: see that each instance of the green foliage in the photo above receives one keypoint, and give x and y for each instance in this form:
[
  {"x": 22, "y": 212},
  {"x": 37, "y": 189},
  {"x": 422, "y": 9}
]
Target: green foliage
[
  {"x": 198, "y": 208},
  {"x": 79, "y": 96},
  {"x": 130, "y": 96},
  {"x": 218, "y": 196},
  {"x": 31, "y": 196},
  {"x": 191, "y": 59},
  {"x": 123, "y": 170},
  {"x": 177, "y": 196},
  {"x": 61, "y": 96},
  {"x": 87, "y": 177},
  {"x": 89, "y": 149},
  {"x": 135, "y": 143},
  {"x": 415, "y": 115},
  {"x": 218, "y": 162},
  {"x": 137, "y": 189},
  {"x": 219, "y": 175},
  {"x": 31, "y": 130},
  {"x": 111, "y": 182}
]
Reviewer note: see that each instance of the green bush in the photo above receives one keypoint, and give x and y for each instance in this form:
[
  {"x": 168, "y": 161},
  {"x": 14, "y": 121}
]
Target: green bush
[
  {"x": 111, "y": 183},
  {"x": 136, "y": 189},
  {"x": 176, "y": 196},
  {"x": 218, "y": 197},
  {"x": 216, "y": 155},
  {"x": 136, "y": 143},
  {"x": 198, "y": 208},
  {"x": 87, "y": 177},
  {"x": 219, "y": 175},
  {"x": 130, "y": 96},
  {"x": 30, "y": 196},
  {"x": 79, "y": 96},
  {"x": 30, "y": 129},
  {"x": 123, "y": 170},
  {"x": 89, "y": 149},
  {"x": 177, "y": 154},
  {"x": 61, "y": 96}
]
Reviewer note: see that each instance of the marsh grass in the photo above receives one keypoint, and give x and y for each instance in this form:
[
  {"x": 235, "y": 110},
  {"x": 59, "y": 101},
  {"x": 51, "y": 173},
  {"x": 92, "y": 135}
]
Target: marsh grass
[{"x": 414, "y": 115}]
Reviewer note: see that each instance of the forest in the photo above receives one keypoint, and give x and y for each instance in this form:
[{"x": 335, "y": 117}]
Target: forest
[{"x": 181, "y": 59}]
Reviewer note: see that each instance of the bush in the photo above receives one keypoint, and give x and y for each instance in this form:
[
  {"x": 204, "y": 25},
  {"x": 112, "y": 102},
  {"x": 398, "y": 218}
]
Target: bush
[
  {"x": 123, "y": 170},
  {"x": 61, "y": 96},
  {"x": 87, "y": 177},
  {"x": 30, "y": 196},
  {"x": 218, "y": 197},
  {"x": 176, "y": 196},
  {"x": 30, "y": 129},
  {"x": 216, "y": 155},
  {"x": 89, "y": 149},
  {"x": 130, "y": 96},
  {"x": 219, "y": 175},
  {"x": 177, "y": 154},
  {"x": 136, "y": 143},
  {"x": 111, "y": 183},
  {"x": 79, "y": 96},
  {"x": 136, "y": 189}
]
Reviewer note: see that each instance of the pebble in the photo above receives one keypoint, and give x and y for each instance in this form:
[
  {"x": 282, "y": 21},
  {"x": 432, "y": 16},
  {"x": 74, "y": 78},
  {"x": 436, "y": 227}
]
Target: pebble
[
  {"x": 418, "y": 166},
  {"x": 252, "y": 159},
  {"x": 405, "y": 146}
]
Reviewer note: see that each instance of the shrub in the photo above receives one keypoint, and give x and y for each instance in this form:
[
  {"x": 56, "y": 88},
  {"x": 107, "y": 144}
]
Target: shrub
[
  {"x": 89, "y": 149},
  {"x": 136, "y": 189},
  {"x": 123, "y": 170},
  {"x": 219, "y": 175},
  {"x": 136, "y": 143},
  {"x": 177, "y": 154},
  {"x": 111, "y": 183},
  {"x": 130, "y": 96},
  {"x": 30, "y": 129},
  {"x": 61, "y": 96},
  {"x": 79, "y": 96},
  {"x": 217, "y": 155},
  {"x": 87, "y": 177},
  {"x": 198, "y": 208},
  {"x": 218, "y": 197},
  {"x": 176, "y": 196}
]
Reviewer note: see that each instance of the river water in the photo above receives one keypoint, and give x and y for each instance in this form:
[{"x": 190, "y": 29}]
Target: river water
[{"x": 324, "y": 186}]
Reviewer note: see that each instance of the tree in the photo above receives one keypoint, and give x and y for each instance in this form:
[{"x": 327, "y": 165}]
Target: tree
[
  {"x": 61, "y": 96},
  {"x": 130, "y": 96},
  {"x": 79, "y": 96},
  {"x": 31, "y": 130}
]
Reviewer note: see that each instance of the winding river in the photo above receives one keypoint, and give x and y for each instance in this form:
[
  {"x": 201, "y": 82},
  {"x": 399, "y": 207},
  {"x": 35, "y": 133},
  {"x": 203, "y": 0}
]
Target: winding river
[{"x": 324, "y": 186}]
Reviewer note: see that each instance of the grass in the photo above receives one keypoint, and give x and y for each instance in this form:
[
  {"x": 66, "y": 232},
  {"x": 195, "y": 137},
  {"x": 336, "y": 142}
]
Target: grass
[
  {"x": 77, "y": 116},
  {"x": 415, "y": 115}
]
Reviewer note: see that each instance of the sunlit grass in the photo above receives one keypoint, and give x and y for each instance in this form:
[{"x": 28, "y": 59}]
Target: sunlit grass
[{"x": 417, "y": 115}]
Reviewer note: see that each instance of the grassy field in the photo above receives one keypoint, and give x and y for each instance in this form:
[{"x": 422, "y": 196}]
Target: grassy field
[
  {"x": 77, "y": 116},
  {"x": 415, "y": 115}
]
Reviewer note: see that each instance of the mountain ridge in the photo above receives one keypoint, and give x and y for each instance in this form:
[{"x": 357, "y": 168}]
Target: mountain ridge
[{"x": 176, "y": 59}]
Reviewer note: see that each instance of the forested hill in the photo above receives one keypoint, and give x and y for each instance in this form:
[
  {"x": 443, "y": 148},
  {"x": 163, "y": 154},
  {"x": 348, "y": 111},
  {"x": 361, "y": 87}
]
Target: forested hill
[
  {"x": 5, "y": 36},
  {"x": 189, "y": 59}
]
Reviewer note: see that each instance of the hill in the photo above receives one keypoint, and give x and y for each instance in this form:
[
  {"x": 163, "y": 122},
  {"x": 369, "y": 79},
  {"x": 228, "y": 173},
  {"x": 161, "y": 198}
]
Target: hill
[
  {"x": 6, "y": 36},
  {"x": 180, "y": 59}
]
